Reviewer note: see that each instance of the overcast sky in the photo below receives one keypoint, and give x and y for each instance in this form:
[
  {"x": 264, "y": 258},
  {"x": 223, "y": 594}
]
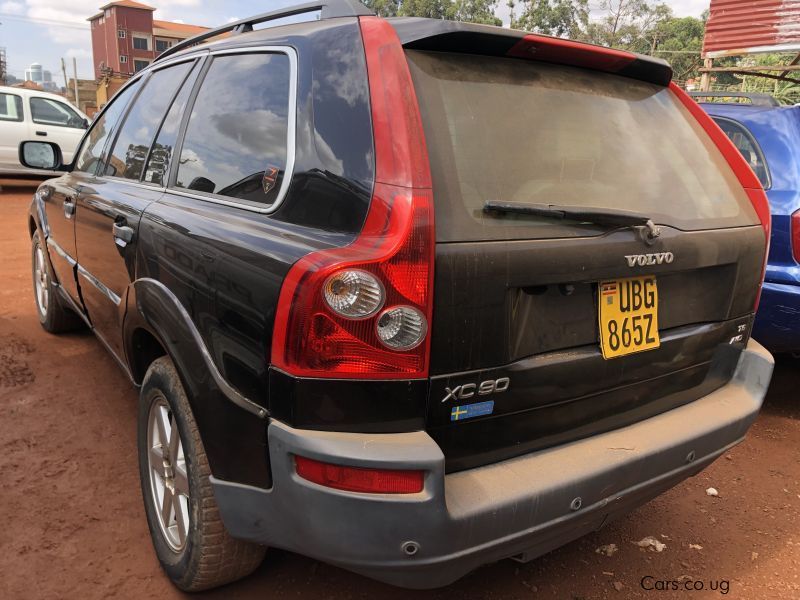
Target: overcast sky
[{"x": 44, "y": 31}]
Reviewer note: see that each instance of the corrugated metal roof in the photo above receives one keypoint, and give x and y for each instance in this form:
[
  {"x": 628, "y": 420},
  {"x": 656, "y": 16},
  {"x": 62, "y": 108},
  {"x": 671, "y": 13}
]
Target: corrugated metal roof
[{"x": 752, "y": 26}]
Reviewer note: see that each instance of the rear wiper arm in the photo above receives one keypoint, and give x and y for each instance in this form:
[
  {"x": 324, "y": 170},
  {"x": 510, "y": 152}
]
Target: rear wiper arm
[{"x": 587, "y": 214}]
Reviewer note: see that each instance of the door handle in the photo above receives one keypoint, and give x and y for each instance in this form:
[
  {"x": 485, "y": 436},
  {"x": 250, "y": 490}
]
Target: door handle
[
  {"x": 42, "y": 133},
  {"x": 123, "y": 235},
  {"x": 69, "y": 207}
]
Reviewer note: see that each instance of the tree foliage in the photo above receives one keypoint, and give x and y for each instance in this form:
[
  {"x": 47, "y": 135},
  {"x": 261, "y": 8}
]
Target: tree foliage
[
  {"x": 562, "y": 18},
  {"x": 470, "y": 11}
]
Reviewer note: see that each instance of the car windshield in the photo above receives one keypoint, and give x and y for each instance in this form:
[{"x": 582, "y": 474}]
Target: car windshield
[{"x": 508, "y": 130}]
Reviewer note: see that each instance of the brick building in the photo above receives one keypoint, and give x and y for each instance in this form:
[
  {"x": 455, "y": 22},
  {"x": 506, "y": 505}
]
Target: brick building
[{"x": 126, "y": 38}]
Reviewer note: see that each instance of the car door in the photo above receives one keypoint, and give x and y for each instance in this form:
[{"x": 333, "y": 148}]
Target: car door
[
  {"x": 60, "y": 201},
  {"x": 111, "y": 204},
  {"x": 56, "y": 122},
  {"x": 13, "y": 129}
]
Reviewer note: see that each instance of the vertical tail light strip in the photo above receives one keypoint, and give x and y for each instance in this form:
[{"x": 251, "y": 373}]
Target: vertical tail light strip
[{"x": 396, "y": 244}]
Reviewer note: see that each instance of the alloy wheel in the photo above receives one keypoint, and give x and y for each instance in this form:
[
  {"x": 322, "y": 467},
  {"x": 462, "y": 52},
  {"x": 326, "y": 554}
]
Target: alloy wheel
[{"x": 169, "y": 482}]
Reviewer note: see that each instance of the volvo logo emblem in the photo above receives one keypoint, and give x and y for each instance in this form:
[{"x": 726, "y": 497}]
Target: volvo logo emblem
[{"x": 643, "y": 260}]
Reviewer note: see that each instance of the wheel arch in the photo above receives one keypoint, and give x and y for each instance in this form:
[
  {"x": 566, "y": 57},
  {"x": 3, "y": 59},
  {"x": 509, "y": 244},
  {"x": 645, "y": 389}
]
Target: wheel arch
[{"x": 231, "y": 426}]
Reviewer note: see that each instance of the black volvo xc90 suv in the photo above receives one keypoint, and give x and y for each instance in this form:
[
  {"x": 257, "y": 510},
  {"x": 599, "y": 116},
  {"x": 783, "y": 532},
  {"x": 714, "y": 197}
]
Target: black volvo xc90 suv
[{"x": 407, "y": 295}]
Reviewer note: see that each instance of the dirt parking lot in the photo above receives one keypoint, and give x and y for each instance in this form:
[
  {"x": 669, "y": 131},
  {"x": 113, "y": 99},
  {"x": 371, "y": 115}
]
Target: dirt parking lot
[{"x": 73, "y": 523}]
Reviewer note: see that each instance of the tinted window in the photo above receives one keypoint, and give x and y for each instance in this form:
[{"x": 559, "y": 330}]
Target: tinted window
[
  {"x": 236, "y": 139},
  {"x": 95, "y": 142},
  {"x": 537, "y": 133},
  {"x": 10, "y": 107},
  {"x": 140, "y": 43},
  {"x": 138, "y": 65},
  {"x": 52, "y": 112},
  {"x": 137, "y": 133},
  {"x": 162, "y": 45},
  {"x": 747, "y": 145},
  {"x": 161, "y": 154}
]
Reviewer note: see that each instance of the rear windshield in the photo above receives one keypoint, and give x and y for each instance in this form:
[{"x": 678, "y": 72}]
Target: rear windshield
[{"x": 521, "y": 131}]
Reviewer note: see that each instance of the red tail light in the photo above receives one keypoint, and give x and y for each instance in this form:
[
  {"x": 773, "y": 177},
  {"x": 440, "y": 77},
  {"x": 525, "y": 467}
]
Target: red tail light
[
  {"x": 357, "y": 479},
  {"x": 396, "y": 244},
  {"x": 741, "y": 169},
  {"x": 796, "y": 236}
]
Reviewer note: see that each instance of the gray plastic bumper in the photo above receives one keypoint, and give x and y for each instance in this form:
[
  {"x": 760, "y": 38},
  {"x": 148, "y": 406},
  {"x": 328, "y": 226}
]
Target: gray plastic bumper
[{"x": 525, "y": 506}]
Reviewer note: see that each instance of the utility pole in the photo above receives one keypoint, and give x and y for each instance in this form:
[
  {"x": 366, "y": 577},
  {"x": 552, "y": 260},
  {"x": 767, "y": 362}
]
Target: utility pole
[
  {"x": 64, "y": 71},
  {"x": 75, "y": 73}
]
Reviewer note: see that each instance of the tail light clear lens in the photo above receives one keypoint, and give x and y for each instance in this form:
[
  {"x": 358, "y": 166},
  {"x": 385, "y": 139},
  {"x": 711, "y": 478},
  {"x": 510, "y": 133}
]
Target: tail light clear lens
[
  {"x": 354, "y": 294},
  {"x": 401, "y": 327},
  {"x": 326, "y": 323}
]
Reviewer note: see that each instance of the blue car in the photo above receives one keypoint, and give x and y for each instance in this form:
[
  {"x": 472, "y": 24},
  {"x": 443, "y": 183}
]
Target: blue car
[{"x": 768, "y": 135}]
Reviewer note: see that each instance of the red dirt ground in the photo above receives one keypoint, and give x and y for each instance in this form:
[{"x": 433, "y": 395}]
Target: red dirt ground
[{"x": 74, "y": 526}]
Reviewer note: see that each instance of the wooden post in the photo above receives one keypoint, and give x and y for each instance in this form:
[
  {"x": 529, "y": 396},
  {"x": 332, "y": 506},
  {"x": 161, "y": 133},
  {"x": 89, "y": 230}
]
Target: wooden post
[{"x": 705, "y": 78}]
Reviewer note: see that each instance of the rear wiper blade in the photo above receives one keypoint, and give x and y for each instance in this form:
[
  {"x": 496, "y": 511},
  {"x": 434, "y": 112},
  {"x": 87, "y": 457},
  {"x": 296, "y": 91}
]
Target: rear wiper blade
[{"x": 586, "y": 214}]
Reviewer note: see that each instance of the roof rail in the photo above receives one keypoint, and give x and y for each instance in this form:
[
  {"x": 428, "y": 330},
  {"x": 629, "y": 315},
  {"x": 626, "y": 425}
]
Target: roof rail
[
  {"x": 755, "y": 99},
  {"x": 330, "y": 9}
]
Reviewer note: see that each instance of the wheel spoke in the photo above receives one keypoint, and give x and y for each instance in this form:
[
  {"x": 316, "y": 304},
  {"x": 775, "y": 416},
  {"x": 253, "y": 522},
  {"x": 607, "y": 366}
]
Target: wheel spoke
[
  {"x": 157, "y": 461},
  {"x": 163, "y": 434},
  {"x": 166, "y": 507},
  {"x": 179, "y": 518},
  {"x": 181, "y": 480},
  {"x": 174, "y": 441}
]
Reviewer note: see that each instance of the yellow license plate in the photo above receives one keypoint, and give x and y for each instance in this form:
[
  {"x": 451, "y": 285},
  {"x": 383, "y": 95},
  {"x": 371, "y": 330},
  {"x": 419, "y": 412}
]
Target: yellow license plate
[{"x": 628, "y": 315}]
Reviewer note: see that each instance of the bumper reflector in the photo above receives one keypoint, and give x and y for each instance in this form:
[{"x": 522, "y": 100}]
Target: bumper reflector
[{"x": 357, "y": 479}]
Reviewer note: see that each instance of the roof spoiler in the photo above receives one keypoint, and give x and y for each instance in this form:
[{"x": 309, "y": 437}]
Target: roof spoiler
[
  {"x": 472, "y": 38},
  {"x": 329, "y": 9}
]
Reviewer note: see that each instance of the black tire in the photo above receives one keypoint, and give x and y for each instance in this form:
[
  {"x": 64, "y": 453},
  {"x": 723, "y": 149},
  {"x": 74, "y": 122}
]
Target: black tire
[
  {"x": 54, "y": 315},
  {"x": 209, "y": 556}
]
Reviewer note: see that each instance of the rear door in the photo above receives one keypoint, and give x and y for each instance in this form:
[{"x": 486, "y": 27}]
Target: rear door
[
  {"x": 56, "y": 122},
  {"x": 110, "y": 206},
  {"x": 523, "y": 302}
]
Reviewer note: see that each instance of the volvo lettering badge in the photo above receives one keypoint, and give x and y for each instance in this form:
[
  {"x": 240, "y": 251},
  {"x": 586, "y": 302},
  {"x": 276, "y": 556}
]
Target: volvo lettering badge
[{"x": 643, "y": 260}]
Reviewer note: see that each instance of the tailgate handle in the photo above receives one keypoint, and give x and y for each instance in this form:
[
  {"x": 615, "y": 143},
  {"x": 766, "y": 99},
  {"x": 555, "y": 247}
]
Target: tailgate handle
[{"x": 123, "y": 235}]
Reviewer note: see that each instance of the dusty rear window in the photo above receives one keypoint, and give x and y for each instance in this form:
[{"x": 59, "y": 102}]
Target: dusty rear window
[{"x": 521, "y": 131}]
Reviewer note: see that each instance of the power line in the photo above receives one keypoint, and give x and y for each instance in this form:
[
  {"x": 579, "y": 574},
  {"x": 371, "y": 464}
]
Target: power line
[{"x": 48, "y": 22}]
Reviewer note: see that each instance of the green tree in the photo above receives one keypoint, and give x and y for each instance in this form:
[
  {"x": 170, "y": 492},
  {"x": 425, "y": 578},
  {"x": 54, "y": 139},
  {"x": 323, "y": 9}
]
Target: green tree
[
  {"x": 627, "y": 24},
  {"x": 679, "y": 41},
  {"x": 563, "y": 18},
  {"x": 432, "y": 9},
  {"x": 384, "y": 8},
  {"x": 474, "y": 11}
]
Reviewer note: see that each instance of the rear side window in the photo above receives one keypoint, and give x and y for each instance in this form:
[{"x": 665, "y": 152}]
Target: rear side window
[
  {"x": 140, "y": 126},
  {"x": 531, "y": 132},
  {"x": 94, "y": 143},
  {"x": 51, "y": 112},
  {"x": 10, "y": 107},
  {"x": 747, "y": 145},
  {"x": 237, "y": 136}
]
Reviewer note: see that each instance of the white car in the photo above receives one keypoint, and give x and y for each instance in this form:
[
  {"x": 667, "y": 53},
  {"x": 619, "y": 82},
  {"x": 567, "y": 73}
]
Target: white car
[{"x": 33, "y": 115}]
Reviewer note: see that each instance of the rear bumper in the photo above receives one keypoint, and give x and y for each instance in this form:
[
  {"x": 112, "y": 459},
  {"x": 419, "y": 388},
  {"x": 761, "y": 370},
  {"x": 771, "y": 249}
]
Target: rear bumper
[
  {"x": 524, "y": 506},
  {"x": 777, "y": 323}
]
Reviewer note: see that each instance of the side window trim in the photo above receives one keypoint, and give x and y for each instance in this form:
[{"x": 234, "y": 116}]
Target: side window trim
[
  {"x": 110, "y": 145},
  {"x": 753, "y": 142},
  {"x": 95, "y": 121},
  {"x": 112, "y": 139},
  {"x": 203, "y": 63},
  {"x": 291, "y": 149}
]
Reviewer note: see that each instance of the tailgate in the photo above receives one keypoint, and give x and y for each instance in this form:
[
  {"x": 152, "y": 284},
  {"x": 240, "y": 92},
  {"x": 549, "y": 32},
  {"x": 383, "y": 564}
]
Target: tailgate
[{"x": 516, "y": 362}]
